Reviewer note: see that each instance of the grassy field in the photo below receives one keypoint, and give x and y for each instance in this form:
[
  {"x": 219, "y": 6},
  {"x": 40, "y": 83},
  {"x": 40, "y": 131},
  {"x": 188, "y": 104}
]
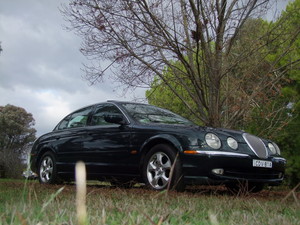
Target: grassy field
[{"x": 32, "y": 203}]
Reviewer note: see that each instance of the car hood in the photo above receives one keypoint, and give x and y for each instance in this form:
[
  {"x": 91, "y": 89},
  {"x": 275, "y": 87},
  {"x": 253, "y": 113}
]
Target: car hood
[
  {"x": 223, "y": 133},
  {"x": 237, "y": 134}
]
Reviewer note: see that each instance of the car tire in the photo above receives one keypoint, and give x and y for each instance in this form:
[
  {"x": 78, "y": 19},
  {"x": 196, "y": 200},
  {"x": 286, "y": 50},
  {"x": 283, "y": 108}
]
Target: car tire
[
  {"x": 158, "y": 163},
  {"x": 47, "y": 170}
]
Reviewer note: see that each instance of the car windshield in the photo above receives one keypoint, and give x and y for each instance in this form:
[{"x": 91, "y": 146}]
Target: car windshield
[{"x": 150, "y": 114}]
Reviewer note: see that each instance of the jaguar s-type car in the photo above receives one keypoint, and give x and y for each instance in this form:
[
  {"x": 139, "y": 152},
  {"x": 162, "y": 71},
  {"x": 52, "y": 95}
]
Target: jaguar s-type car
[{"x": 123, "y": 142}]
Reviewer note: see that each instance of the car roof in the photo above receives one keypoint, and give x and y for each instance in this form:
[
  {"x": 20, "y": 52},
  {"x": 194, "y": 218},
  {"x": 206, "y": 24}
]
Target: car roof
[
  {"x": 129, "y": 102},
  {"x": 109, "y": 101}
]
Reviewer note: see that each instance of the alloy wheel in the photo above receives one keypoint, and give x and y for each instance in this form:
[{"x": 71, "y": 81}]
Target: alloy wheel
[
  {"x": 46, "y": 169},
  {"x": 158, "y": 170}
]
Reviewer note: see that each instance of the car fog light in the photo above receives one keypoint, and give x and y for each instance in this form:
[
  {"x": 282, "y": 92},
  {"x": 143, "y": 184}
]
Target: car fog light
[
  {"x": 218, "y": 171},
  {"x": 280, "y": 175}
]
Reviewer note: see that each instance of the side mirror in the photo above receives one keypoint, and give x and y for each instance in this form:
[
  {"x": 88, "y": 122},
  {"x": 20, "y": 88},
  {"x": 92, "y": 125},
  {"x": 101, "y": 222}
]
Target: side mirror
[{"x": 115, "y": 118}]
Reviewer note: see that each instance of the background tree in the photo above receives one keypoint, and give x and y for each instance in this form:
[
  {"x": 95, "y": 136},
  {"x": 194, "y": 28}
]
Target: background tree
[
  {"x": 262, "y": 111},
  {"x": 16, "y": 134},
  {"x": 278, "y": 118},
  {"x": 139, "y": 38},
  {"x": 289, "y": 137},
  {"x": 272, "y": 113}
]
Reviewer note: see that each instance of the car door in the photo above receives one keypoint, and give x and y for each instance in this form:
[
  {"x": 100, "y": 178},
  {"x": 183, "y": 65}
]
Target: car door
[
  {"x": 70, "y": 137},
  {"x": 108, "y": 148}
]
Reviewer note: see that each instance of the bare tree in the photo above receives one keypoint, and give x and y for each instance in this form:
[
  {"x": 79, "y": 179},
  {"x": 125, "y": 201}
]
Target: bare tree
[{"x": 137, "y": 39}]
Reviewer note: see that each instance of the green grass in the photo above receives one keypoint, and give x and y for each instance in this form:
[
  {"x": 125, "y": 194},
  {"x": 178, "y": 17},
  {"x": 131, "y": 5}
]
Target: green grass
[{"x": 32, "y": 203}]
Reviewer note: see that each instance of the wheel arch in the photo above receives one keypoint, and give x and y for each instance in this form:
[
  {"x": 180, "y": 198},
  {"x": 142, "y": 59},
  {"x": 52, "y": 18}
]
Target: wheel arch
[
  {"x": 41, "y": 153},
  {"x": 159, "y": 139}
]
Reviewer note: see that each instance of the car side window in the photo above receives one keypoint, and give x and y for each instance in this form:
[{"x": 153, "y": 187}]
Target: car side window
[
  {"x": 101, "y": 110},
  {"x": 76, "y": 119},
  {"x": 79, "y": 118},
  {"x": 64, "y": 123}
]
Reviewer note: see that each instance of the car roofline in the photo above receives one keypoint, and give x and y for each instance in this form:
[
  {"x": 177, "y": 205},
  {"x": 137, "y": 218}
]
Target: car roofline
[{"x": 129, "y": 102}]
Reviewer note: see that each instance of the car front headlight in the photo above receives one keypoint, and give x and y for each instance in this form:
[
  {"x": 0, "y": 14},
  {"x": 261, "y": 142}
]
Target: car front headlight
[
  {"x": 213, "y": 140},
  {"x": 272, "y": 148},
  {"x": 232, "y": 143},
  {"x": 277, "y": 148}
]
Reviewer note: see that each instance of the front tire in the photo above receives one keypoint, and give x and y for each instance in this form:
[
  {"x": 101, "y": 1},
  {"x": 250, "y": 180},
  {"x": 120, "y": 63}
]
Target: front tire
[
  {"x": 159, "y": 170},
  {"x": 47, "y": 169}
]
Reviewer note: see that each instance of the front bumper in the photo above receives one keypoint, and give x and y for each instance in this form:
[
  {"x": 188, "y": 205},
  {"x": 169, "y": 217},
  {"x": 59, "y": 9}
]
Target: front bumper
[{"x": 231, "y": 167}]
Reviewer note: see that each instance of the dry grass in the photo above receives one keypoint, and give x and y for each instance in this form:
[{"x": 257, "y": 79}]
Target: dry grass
[{"x": 42, "y": 204}]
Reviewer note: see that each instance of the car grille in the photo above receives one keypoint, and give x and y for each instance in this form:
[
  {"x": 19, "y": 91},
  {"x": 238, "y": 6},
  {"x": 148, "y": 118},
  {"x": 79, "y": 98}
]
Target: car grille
[
  {"x": 262, "y": 174},
  {"x": 256, "y": 145}
]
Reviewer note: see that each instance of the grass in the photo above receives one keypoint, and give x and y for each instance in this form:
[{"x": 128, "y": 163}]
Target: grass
[{"x": 32, "y": 203}]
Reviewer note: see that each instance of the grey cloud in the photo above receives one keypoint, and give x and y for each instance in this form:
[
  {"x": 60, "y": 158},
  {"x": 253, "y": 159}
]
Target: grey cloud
[{"x": 40, "y": 66}]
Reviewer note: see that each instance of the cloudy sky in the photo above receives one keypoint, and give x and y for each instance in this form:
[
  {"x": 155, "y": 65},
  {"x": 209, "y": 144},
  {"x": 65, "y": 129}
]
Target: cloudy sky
[{"x": 40, "y": 66}]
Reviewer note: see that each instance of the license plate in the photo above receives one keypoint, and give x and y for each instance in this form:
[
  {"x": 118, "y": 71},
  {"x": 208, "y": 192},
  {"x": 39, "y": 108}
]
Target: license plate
[{"x": 262, "y": 163}]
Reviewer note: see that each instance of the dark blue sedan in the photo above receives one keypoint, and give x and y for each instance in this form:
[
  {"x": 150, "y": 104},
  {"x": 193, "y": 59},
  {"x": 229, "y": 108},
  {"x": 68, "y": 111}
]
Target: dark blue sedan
[{"x": 125, "y": 142}]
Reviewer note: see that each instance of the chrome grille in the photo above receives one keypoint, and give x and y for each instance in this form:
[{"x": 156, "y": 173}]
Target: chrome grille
[{"x": 256, "y": 145}]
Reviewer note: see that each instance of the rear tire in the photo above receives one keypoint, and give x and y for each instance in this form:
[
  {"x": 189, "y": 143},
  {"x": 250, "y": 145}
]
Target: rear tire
[
  {"x": 159, "y": 169},
  {"x": 47, "y": 169}
]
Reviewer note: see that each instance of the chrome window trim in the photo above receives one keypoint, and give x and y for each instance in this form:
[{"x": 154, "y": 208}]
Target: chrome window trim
[
  {"x": 118, "y": 107},
  {"x": 122, "y": 111}
]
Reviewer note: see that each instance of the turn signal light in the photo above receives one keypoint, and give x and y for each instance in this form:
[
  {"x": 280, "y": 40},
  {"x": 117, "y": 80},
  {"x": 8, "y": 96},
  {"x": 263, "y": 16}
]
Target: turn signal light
[
  {"x": 190, "y": 152},
  {"x": 133, "y": 152}
]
